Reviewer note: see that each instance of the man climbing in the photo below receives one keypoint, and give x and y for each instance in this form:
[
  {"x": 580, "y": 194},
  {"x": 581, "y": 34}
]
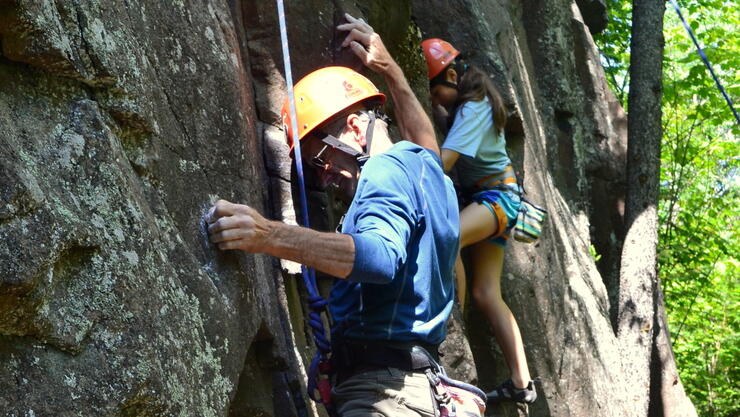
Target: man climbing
[{"x": 399, "y": 240}]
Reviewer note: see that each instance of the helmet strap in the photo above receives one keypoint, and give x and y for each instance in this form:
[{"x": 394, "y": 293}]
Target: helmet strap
[
  {"x": 446, "y": 84},
  {"x": 370, "y": 131},
  {"x": 460, "y": 68}
]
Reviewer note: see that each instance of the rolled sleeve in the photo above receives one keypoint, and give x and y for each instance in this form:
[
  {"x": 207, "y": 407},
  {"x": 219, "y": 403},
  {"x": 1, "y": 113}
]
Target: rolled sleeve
[
  {"x": 383, "y": 223},
  {"x": 375, "y": 261}
]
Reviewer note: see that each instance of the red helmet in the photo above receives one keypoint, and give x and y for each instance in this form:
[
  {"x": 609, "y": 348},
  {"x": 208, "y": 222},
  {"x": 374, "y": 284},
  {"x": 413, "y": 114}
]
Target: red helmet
[
  {"x": 439, "y": 54},
  {"x": 322, "y": 94}
]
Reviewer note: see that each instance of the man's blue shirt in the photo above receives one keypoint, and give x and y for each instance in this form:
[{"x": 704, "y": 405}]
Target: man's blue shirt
[{"x": 404, "y": 221}]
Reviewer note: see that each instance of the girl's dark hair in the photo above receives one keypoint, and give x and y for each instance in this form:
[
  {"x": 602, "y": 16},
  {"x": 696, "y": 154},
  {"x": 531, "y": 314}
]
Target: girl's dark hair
[{"x": 474, "y": 86}]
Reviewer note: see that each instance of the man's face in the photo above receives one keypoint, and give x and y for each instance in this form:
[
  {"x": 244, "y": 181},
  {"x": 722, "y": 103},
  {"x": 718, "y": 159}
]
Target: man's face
[{"x": 335, "y": 169}]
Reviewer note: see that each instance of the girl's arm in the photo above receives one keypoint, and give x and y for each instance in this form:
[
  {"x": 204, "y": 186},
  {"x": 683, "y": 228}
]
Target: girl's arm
[{"x": 449, "y": 158}]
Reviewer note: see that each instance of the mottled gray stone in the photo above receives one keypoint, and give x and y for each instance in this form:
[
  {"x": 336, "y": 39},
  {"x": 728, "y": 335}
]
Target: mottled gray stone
[{"x": 120, "y": 124}]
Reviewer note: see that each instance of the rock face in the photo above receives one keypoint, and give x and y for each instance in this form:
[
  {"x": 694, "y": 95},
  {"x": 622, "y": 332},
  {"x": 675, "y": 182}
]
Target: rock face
[{"x": 122, "y": 121}]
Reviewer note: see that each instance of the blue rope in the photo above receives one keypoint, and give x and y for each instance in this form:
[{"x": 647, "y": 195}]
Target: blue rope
[
  {"x": 706, "y": 60},
  {"x": 316, "y": 302}
]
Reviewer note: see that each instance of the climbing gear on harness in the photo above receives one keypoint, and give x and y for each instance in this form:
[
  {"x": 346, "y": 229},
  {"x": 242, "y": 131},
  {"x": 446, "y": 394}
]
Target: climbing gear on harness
[
  {"x": 439, "y": 54},
  {"x": 531, "y": 217},
  {"x": 508, "y": 392},
  {"x": 456, "y": 398},
  {"x": 318, "y": 386},
  {"x": 453, "y": 398},
  {"x": 529, "y": 222},
  {"x": 323, "y": 94}
]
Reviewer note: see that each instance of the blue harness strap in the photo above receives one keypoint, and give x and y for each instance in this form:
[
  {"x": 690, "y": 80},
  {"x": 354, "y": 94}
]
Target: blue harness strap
[{"x": 319, "y": 369}]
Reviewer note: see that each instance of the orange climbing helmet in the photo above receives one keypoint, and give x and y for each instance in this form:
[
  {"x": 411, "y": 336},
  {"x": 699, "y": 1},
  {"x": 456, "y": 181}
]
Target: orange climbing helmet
[
  {"x": 324, "y": 93},
  {"x": 439, "y": 54}
]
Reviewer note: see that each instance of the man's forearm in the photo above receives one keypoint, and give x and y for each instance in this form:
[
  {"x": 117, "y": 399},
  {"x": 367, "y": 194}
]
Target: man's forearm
[
  {"x": 413, "y": 121},
  {"x": 331, "y": 253}
]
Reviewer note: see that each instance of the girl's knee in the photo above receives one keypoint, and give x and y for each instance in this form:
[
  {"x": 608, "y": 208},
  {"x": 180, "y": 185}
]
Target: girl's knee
[{"x": 486, "y": 295}]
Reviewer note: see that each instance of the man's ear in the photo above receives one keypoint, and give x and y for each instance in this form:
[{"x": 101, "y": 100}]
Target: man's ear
[
  {"x": 451, "y": 76},
  {"x": 355, "y": 125}
]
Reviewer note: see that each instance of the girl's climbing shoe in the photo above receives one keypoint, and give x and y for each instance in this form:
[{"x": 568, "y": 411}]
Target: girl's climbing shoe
[{"x": 508, "y": 392}]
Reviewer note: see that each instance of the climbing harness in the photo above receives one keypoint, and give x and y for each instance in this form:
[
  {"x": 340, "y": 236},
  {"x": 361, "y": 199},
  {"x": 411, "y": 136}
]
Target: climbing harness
[
  {"x": 320, "y": 368},
  {"x": 496, "y": 179},
  {"x": 530, "y": 219},
  {"x": 706, "y": 60},
  {"x": 452, "y": 398}
]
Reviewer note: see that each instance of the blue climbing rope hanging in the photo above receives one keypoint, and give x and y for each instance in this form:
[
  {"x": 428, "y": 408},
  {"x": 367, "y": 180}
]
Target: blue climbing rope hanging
[
  {"x": 706, "y": 60},
  {"x": 317, "y": 373}
]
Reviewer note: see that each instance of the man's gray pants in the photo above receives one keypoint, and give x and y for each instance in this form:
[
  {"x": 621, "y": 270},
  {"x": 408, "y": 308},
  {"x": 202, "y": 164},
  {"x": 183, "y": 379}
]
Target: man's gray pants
[{"x": 387, "y": 392}]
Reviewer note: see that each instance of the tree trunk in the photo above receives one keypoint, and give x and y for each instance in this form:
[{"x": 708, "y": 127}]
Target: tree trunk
[
  {"x": 641, "y": 324},
  {"x": 638, "y": 273},
  {"x": 667, "y": 396}
]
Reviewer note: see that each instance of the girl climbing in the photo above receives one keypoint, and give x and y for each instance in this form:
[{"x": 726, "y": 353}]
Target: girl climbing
[{"x": 475, "y": 144}]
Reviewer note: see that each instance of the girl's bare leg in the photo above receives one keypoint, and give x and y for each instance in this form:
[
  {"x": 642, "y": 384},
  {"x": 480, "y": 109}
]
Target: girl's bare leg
[
  {"x": 488, "y": 262},
  {"x": 476, "y": 224}
]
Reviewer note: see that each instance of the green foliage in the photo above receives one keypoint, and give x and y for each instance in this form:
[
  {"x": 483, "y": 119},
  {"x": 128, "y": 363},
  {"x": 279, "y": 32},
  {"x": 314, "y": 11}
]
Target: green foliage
[
  {"x": 699, "y": 269},
  {"x": 700, "y": 193},
  {"x": 614, "y": 45}
]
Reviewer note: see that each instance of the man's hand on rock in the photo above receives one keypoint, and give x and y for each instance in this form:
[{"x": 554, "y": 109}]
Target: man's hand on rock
[{"x": 237, "y": 226}]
